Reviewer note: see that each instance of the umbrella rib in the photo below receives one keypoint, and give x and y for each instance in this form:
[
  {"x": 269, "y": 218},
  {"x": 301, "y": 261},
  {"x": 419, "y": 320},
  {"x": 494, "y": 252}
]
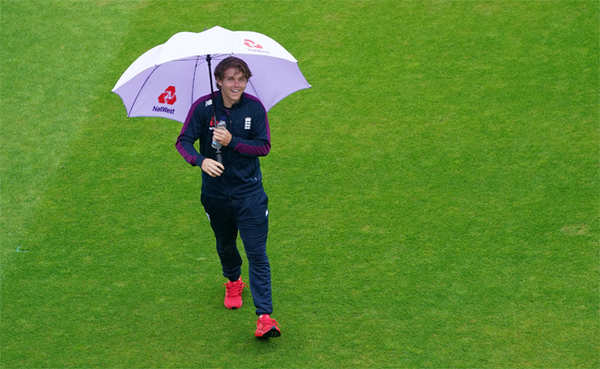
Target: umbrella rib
[
  {"x": 140, "y": 90},
  {"x": 194, "y": 79},
  {"x": 255, "y": 90}
]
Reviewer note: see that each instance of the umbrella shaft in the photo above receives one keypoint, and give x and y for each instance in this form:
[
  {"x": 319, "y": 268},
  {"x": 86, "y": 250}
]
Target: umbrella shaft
[{"x": 212, "y": 91}]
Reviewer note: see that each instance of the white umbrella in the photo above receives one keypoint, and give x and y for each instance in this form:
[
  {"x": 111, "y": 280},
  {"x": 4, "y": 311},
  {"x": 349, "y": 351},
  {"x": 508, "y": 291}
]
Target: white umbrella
[{"x": 167, "y": 79}]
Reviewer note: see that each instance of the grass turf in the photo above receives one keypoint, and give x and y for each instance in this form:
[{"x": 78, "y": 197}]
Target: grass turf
[{"x": 433, "y": 197}]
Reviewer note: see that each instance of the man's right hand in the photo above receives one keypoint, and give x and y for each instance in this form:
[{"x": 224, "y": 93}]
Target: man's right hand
[{"x": 212, "y": 167}]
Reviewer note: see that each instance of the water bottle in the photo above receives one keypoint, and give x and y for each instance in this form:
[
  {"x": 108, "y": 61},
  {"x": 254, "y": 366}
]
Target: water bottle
[{"x": 215, "y": 144}]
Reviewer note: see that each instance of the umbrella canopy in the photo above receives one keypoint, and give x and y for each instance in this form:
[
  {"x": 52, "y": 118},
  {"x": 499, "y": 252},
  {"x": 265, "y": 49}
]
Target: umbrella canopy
[{"x": 167, "y": 79}]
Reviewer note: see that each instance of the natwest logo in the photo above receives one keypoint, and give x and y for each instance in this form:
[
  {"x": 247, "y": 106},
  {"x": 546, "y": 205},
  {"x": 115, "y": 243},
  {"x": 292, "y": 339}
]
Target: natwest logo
[
  {"x": 168, "y": 97},
  {"x": 251, "y": 44}
]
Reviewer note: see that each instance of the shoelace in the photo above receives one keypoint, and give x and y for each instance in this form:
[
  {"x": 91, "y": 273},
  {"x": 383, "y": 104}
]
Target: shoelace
[
  {"x": 234, "y": 289},
  {"x": 268, "y": 323}
]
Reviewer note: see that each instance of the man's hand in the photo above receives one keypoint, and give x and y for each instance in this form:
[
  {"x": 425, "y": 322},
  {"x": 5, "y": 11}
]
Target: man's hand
[
  {"x": 222, "y": 136},
  {"x": 212, "y": 167}
]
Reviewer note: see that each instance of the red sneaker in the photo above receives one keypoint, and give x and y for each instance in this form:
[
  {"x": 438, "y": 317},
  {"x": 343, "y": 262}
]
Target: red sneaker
[
  {"x": 233, "y": 294},
  {"x": 267, "y": 327}
]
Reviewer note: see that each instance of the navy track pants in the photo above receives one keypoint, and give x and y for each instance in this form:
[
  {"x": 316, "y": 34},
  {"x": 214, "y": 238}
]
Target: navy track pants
[{"x": 249, "y": 216}]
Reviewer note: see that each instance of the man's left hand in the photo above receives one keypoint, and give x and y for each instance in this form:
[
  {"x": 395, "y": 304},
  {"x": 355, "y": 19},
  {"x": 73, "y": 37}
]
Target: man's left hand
[{"x": 222, "y": 136}]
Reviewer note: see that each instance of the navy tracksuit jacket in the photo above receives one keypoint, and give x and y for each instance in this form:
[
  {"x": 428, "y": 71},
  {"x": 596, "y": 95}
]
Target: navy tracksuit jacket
[{"x": 236, "y": 200}]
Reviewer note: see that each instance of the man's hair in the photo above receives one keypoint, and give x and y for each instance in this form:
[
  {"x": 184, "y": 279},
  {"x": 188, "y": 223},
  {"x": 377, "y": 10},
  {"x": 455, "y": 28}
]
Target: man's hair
[{"x": 232, "y": 62}]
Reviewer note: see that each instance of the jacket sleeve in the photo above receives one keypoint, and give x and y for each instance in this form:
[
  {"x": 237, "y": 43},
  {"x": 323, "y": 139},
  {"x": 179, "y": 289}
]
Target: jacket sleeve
[
  {"x": 260, "y": 144},
  {"x": 191, "y": 131}
]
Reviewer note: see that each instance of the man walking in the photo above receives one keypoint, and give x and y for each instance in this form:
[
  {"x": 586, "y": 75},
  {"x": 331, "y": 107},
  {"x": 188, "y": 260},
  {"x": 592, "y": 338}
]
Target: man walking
[{"x": 232, "y": 193}]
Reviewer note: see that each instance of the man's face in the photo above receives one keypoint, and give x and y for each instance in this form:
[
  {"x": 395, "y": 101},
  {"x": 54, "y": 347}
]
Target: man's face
[{"x": 232, "y": 86}]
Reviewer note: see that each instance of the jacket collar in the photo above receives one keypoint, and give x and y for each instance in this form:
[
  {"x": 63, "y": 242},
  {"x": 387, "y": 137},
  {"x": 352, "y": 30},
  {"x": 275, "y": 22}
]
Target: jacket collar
[{"x": 221, "y": 105}]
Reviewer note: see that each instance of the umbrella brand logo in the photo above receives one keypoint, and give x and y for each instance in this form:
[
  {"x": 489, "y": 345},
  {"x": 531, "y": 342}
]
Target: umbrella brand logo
[
  {"x": 167, "y": 97},
  {"x": 251, "y": 44},
  {"x": 255, "y": 47}
]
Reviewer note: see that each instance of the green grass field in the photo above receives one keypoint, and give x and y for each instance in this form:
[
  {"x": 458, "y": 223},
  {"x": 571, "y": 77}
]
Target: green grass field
[{"x": 434, "y": 197}]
